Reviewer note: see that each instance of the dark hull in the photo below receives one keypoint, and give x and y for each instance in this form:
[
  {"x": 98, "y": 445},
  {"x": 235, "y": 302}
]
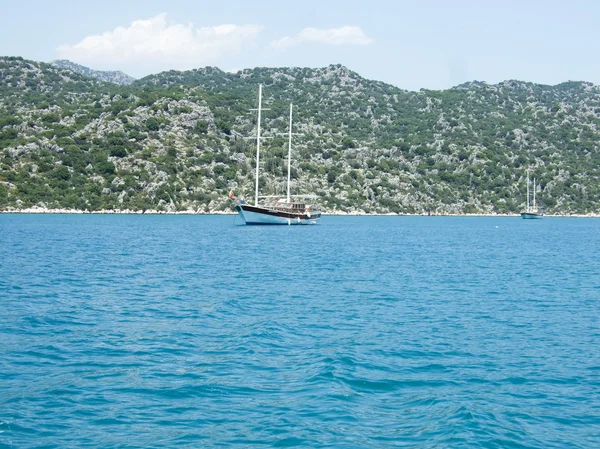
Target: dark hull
[
  {"x": 257, "y": 215},
  {"x": 531, "y": 215}
]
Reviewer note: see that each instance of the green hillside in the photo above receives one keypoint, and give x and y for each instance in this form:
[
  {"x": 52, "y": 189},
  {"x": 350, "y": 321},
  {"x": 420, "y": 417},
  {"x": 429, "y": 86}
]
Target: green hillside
[{"x": 178, "y": 141}]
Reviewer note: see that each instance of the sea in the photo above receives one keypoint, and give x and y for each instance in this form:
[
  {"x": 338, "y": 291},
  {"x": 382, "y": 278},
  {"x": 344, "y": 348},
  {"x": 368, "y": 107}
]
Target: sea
[{"x": 172, "y": 331}]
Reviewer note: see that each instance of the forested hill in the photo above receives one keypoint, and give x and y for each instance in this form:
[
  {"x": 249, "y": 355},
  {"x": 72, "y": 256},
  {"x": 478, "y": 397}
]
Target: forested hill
[
  {"x": 177, "y": 141},
  {"x": 111, "y": 76}
]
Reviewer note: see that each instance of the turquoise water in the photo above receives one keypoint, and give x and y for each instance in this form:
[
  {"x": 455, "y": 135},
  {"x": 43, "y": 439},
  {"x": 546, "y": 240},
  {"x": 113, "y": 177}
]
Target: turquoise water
[{"x": 360, "y": 332}]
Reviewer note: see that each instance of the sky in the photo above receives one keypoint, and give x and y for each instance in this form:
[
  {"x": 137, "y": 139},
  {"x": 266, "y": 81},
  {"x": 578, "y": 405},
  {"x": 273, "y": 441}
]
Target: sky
[{"x": 430, "y": 44}]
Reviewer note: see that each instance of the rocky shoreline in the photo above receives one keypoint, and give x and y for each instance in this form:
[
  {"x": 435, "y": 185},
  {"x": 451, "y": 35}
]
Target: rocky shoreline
[{"x": 40, "y": 210}]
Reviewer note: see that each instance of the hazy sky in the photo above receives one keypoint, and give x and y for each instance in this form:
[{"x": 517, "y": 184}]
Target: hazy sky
[{"x": 429, "y": 44}]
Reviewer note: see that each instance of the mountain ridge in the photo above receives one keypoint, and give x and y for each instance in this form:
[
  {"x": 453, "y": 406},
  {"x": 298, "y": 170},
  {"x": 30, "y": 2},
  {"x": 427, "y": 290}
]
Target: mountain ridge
[
  {"x": 110, "y": 76},
  {"x": 175, "y": 141}
]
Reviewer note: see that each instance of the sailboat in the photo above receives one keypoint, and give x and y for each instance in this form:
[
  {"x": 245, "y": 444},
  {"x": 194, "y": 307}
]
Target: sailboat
[
  {"x": 531, "y": 212},
  {"x": 275, "y": 210}
]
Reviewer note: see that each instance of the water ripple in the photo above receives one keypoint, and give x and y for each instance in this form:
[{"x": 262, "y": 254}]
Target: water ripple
[{"x": 152, "y": 331}]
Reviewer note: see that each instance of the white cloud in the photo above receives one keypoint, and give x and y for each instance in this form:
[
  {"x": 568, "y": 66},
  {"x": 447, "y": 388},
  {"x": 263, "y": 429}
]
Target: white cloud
[
  {"x": 346, "y": 35},
  {"x": 155, "y": 43}
]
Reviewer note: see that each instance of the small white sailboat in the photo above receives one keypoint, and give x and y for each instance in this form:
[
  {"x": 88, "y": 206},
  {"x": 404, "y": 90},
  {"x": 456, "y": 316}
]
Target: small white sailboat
[
  {"x": 274, "y": 210},
  {"x": 531, "y": 212}
]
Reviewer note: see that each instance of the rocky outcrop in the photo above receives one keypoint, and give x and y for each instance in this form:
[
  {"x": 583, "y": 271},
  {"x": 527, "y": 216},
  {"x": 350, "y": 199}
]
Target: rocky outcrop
[{"x": 109, "y": 76}]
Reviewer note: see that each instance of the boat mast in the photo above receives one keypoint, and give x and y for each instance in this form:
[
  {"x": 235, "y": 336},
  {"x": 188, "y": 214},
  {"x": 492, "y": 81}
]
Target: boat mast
[
  {"x": 527, "y": 188},
  {"x": 258, "y": 144},
  {"x": 534, "y": 193},
  {"x": 289, "y": 155}
]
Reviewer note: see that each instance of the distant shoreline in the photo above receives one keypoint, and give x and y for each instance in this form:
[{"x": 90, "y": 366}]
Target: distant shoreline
[{"x": 43, "y": 211}]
